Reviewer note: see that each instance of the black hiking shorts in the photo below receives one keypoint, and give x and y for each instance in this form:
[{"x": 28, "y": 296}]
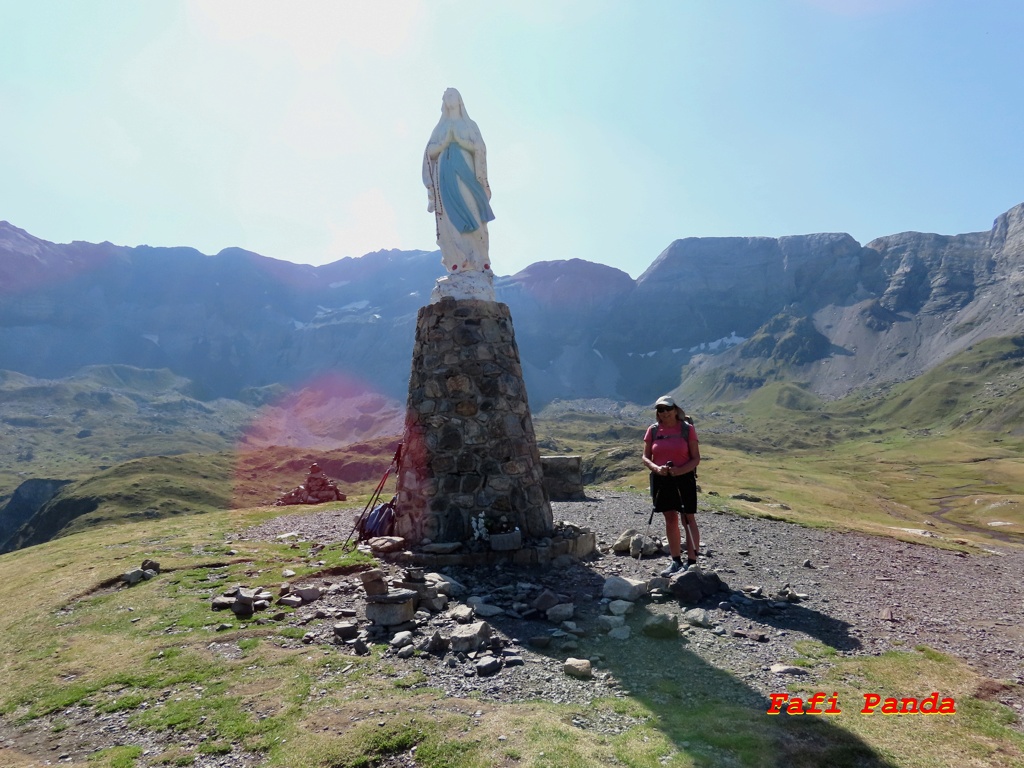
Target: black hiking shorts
[{"x": 674, "y": 493}]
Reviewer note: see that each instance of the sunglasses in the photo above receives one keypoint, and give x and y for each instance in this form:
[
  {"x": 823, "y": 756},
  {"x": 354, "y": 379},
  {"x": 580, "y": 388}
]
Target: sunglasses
[{"x": 663, "y": 408}]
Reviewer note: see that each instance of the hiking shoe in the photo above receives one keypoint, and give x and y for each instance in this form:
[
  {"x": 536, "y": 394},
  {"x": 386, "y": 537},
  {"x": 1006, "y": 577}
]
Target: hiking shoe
[{"x": 675, "y": 567}]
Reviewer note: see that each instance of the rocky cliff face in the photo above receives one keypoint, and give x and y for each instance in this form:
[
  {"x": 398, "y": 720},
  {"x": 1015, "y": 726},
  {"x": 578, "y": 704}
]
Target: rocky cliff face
[
  {"x": 919, "y": 299},
  {"x": 560, "y": 310},
  {"x": 27, "y": 499},
  {"x": 735, "y": 284},
  {"x": 830, "y": 311}
]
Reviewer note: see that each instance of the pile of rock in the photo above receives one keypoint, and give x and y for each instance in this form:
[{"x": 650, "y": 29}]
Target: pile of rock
[
  {"x": 757, "y": 595},
  {"x": 317, "y": 489},
  {"x": 244, "y": 601},
  {"x": 693, "y": 585},
  {"x": 398, "y": 610},
  {"x": 416, "y": 612},
  {"x": 472, "y": 647},
  {"x": 621, "y": 593},
  {"x": 145, "y": 572},
  {"x": 384, "y": 607}
]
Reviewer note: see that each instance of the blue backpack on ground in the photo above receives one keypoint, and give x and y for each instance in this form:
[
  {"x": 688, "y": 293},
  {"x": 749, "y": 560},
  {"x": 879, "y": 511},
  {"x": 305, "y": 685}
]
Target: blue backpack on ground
[{"x": 380, "y": 522}]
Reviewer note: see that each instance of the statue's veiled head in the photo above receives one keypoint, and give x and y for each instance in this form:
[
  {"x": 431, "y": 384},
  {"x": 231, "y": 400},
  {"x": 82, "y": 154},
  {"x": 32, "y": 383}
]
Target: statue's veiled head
[{"x": 452, "y": 104}]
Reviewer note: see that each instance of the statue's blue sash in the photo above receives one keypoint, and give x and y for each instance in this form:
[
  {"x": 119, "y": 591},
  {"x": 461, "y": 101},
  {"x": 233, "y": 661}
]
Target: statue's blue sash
[{"x": 452, "y": 167}]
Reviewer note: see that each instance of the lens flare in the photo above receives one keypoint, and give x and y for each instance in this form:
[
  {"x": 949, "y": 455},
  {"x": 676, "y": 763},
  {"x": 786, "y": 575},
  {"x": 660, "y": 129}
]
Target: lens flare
[{"x": 336, "y": 420}]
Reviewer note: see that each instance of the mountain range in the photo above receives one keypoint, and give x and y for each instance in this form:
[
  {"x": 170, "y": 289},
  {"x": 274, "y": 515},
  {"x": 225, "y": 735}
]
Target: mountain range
[
  {"x": 723, "y": 315},
  {"x": 110, "y": 353}
]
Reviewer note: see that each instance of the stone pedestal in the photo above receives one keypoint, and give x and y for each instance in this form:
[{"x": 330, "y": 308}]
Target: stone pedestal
[
  {"x": 469, "y": 447},
  {"x": 563, "y": 477}
]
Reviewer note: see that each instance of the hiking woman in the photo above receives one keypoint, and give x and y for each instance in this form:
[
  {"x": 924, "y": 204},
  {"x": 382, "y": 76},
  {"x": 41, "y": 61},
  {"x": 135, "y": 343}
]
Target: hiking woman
[{"x": 672, "y": 454}]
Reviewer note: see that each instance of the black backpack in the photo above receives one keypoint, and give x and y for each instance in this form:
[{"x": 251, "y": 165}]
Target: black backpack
[{"x": 687, "y": 423}]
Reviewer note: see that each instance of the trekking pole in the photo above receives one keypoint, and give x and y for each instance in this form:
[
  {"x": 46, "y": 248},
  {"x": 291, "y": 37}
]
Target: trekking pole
[
  {"x": 647, "y": 535},
  {"x": 375, "y": 496},
  {"x": 654, "y": 508},
  {"x": 650, "y": 520}
]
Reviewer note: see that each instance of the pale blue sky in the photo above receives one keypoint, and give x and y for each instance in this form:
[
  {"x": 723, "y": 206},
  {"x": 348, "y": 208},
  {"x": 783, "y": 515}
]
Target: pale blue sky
[{"x": 296, "y": 129}]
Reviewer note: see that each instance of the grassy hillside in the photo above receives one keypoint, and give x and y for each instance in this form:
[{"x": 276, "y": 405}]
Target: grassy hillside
[
  {"x": 105, "y": 415},
  {"x": 75, "y": 427},
  {"x": 980, "y": 389},
  {"x": 80, "y": 651},
  {"x": 167, "y": 486},
  {"x": 143, "y": 489},
  {"x": 938, "y": 457}
]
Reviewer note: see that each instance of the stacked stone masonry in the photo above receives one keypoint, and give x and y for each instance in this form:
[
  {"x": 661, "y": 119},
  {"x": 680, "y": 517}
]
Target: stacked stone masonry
[
  {"x": 563, "y": 477},
  {"x": 470, "y": 450}
]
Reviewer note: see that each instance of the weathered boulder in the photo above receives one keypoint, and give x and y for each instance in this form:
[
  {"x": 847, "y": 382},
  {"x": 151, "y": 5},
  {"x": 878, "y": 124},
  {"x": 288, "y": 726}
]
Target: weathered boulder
[
  {"x": 694, "y": 585},
  {"x": 698, "y": 617},
  {"x": 392, "y": 609},
  {"x": 346, "y": 630},
  {"x": 578, "y": 668},
  {"x": 620, "y": 607},
  {"x": 662, "y": 625},
  {"x": 488, "y": 665},
  {"x": 622, "y": 588},
  {"x": 545, "y": 600},
  {"x": 561, "y": 612},
  {"x": 623, "y": 542},
  {"x": 470, "y": 637}
]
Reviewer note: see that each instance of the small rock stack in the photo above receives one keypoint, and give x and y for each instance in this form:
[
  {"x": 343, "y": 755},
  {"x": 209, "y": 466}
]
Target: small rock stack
[
  {"x": 145, "y": 572},
  {"x": 317, "y": 489},
  {"x": 389, "y": 608},
  {"x": 244, "y": 601}
]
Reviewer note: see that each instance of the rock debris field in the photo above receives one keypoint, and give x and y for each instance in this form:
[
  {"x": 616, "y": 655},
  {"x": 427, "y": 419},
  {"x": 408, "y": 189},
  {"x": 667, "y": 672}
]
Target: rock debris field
[
  {"x": 511, "y": 634},
  {"x": 860, "y": 595}
]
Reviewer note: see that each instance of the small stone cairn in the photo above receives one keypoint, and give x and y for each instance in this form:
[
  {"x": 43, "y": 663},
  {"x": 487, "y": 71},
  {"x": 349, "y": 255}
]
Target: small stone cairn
[
  {"x": 145, "y": 572},
  {"x": 317, "y": 489}
]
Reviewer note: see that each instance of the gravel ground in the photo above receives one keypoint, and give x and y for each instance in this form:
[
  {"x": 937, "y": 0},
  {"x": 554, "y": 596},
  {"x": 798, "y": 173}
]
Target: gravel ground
[{"x": 865, "y": 595}]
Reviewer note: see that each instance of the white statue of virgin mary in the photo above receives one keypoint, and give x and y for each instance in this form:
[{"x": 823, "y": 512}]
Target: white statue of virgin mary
[{"x": 455, "y": 175}]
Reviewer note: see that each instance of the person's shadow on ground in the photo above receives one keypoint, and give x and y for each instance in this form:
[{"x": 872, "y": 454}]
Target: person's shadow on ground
[{"x": 708, "y": 713}]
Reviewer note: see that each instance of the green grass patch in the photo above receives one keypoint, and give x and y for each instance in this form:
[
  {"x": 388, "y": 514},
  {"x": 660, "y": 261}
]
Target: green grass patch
[
  {"x": 116, "y": 757},
  {"x": 980, "y": 731},
  {"x": 815, "y": 649}
]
